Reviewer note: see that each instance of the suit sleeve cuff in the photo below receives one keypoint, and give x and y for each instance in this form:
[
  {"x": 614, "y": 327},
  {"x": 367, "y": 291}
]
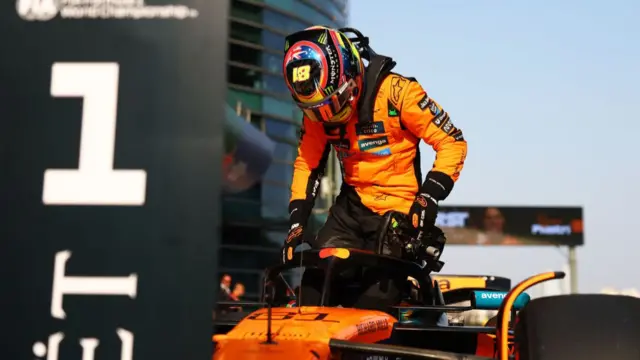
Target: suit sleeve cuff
[
  {"x": 299, "y": 212},
  {"x": 438, "y": 185}
]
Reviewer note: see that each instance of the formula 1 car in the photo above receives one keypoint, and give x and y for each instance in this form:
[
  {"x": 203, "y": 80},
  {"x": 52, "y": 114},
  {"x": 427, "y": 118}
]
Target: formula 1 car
[{"x": 557, "y": 327}]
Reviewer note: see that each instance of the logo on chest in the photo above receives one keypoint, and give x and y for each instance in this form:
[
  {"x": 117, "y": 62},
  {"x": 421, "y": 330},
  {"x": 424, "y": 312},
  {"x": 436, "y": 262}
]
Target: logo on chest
[
  {"x": 367, "y": 144},
  {"x": 374, "y": 128}
]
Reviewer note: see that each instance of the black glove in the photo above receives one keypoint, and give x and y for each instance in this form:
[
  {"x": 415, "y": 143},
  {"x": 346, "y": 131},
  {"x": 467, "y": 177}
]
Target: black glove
[
  {"x": 294, "y": 238},
  {"x": 299, "y": 212},
  {"x": 423, "y": 213},
  {"x": 424, "y": 210}
]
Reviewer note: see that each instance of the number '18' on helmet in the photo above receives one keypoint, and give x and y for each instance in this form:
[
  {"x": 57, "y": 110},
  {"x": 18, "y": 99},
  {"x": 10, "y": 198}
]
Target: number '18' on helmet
[{"x": 324, "y": 72}]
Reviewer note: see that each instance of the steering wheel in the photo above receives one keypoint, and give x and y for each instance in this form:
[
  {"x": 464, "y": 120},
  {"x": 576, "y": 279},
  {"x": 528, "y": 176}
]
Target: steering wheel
[{"x": 397, "y": 232}]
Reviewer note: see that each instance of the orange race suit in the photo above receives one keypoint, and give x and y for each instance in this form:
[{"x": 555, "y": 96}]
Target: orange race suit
[{"x": 380, "y": 160}]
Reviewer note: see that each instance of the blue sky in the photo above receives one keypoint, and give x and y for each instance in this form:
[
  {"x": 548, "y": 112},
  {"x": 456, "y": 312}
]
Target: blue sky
[{"x": 548, "y": 96}]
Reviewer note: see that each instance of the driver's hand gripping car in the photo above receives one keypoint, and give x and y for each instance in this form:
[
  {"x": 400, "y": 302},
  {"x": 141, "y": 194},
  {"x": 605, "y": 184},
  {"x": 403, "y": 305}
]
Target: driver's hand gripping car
[{"x": 374, "y": 119}]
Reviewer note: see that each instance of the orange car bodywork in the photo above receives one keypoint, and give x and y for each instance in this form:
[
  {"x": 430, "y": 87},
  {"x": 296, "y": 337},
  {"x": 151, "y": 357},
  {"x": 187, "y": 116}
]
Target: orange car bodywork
[
  {"x": 301, "y": 333},
  {"x": 304, "y": 333}
]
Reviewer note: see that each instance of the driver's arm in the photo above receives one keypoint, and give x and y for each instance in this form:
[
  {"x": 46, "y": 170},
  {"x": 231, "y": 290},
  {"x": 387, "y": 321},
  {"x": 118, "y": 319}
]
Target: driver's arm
[
  {"x": 426, "y": 119},
  {"x": 308, "y": 169}
]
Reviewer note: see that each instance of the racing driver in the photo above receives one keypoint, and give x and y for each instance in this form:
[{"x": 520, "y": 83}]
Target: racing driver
[{"x": 374, "y": 119}]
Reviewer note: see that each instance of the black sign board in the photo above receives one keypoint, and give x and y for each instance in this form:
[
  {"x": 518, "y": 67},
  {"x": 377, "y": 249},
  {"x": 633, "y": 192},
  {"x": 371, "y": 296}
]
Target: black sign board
[{"x": 110, "y": 149}]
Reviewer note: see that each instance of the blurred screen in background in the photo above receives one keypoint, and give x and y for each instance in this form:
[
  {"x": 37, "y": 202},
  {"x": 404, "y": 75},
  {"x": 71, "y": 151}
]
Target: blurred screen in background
[
  {"x": 506, "y": 225},
  {"x": 248, "y": 153}
]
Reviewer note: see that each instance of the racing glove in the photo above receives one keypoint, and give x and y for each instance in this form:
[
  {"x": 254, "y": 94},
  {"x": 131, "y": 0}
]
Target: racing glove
[
  {"x": 294, "y": 238},
  {"x": 297, "y": 218},
  {"x": 423, "y": 213},
  {"x": 424, "y": 210}
]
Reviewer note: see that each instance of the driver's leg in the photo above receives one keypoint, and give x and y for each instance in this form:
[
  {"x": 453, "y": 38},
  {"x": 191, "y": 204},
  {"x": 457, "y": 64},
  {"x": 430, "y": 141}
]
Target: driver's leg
[
  {"x": 378, "y": 290},
  {"x": 351, "y": 224},
  {"x": 340, "y": 230}
]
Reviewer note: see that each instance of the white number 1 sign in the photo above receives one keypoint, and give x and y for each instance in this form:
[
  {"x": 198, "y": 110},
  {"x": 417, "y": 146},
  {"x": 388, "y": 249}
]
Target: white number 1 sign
[{"x": 94, "y": 182}]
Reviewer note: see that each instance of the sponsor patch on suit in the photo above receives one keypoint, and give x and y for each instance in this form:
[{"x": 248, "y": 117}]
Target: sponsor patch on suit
[
  {"x": 457, "y": 135},
  {"x": 383, "y": 152},
  {"x": 366, "y": 144},
  {"x": 448, "y": 126},
  {"x": 440, "y": 120},
  {"x": 397, "y": 84},
  {"x": 391, "y": 110},
  {"x": 424, "y": 102},
  {"x": 373, "y": 128},
  {"x": 434, "y": 108}
]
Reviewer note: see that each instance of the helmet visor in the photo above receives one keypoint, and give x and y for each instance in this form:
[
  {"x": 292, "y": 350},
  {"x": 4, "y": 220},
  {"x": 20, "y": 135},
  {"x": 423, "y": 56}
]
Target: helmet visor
[
  {"x": 332, "y": 108},
  {"x": 304, "y": 76}
]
